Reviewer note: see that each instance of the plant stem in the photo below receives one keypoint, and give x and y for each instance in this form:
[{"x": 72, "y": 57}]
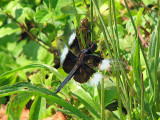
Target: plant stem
[
  {"x": 50, "y": 10},
  {"x": 142, "y": 99},
  {"x": 91, "y": 19},
  {"x": 102, "y": 100},
  {"x": 81, "y": 36},
  {"x": 32, "y": 36},
  {"x": 117, "y": 57},
  {"x": 104, "y": 28}
]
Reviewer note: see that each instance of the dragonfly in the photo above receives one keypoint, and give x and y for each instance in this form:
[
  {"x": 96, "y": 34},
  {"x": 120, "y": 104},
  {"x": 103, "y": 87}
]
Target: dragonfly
[
  {"x": 84, "y": 27},
  {"x": 81, "y": 64}
]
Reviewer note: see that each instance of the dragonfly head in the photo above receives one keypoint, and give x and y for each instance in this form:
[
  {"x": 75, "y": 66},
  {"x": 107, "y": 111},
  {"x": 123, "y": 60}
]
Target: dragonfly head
[{"x": 84, "y": 22}]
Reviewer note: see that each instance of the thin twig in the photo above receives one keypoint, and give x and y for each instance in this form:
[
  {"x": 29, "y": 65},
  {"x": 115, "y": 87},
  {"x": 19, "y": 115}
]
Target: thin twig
[{"x": 32, "y": 36}]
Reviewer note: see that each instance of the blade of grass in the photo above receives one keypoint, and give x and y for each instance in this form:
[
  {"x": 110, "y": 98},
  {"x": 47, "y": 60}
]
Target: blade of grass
[
  {"x": 104, "y": 28},
  {"x": 33, "y": 66},
  {"x": 106, "y": 33},
  {"x": 25, "y": 87},
  {"x": 156, "y": 62},
  {"x": 158, "y": 43},
  {"x": 118, "y": 57},
  {"x": 130, "y": 17},
  {"x": 142, "y": 99},
  {"x": 37, "y": 109},
  {"x": 149, "y": 72},
  {"x": 87, "y": 105},
  {"x": 102, "y": 100},
  {"x": 143, "y": 53},
  {"x": 91, "y": 19},
  {"x": 85, "y": 96},
  {"x": 151, "y": 57},
  {"x": 81, "y": 36}
]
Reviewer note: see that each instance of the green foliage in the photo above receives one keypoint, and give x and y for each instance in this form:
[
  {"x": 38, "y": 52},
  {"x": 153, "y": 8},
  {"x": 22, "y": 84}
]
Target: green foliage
[
  {"x": 27, "y": 29},
  {"x": 16, "y": 106}
]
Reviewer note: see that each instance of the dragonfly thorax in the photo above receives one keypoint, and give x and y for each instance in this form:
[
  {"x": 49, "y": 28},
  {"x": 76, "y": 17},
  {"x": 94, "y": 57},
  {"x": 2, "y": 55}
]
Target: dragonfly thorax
[{"x": 91, "y": 49}]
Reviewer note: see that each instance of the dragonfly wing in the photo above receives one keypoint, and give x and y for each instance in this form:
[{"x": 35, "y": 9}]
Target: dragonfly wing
[
  {"x": 92, "y": 60},
  {"x": 74, "y": 43},
  {"x": 68, "y": 60},
  {"x": 96, "y": 78},
  {"x": 111, "y": 64},
  {"x": 83, "y": 74}
]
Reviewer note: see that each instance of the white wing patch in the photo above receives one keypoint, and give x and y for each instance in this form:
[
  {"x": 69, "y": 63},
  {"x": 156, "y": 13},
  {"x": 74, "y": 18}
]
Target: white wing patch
[
  {"x": 64, "y": 54},
  {"x": 105, "y": 64},
  {"x": 96, "y": 79},
  {"x": 71, "y": 38}
]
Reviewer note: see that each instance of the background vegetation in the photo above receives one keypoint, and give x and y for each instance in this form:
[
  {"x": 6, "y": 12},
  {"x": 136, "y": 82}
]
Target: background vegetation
[{"x": 127, "y": 31}]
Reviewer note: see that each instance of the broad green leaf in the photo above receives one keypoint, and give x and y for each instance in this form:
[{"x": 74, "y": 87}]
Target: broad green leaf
[
  {"x": 41, "y": 16},
  {"x": 70, "y": 10},
  {"x": 44, "y": 56},
  {"x": 138, "y": 21},
  {"x": 129, "y": 27},
  {"x": 37, "y": 109},
  {"x": 31, "y": 50},
  {"x": 9, "y": 29},
  {"x": 29, "y": 13},
  {"x": 17, "y": 104},
  {"x": 50, "y": 3},
  {"x": 5, "y": 61},
  {"x": 121, "y": 31},
  {"x": 2, "y": 19},
  {"x": 15, "y": 47},
  {"x": 19, "y": 14},
  {"x": 128, "y": 42},
  {"x": 149, "y": 2},
  {"x": 89, "y": 103},
  {"x": 60, "y": 4},
  {"x": 37, "y": 78},
  {"x": 4, "y": 2},
  {"x": 49, "y": 28},
  {"x": 67, "y": 10},
  {"x": 151, "y": 57},
  {"x": 81, "y": 11},
  {"x": 25, "y": 87},
  {"x": 32, "y": 66},
  {"x": 110, "y": 95},
  {"x": 16, "y": 10},
  {"x": 136, "y": 67}
]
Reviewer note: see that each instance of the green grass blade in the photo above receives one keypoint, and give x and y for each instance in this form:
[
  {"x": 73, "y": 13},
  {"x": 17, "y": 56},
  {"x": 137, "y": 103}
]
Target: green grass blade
[
  {"x": 25, "y": 87},
  {"x": 32, "y": 66},
  {"x": 85, "y": 96},
  {"x": 37, "y": 109}
]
